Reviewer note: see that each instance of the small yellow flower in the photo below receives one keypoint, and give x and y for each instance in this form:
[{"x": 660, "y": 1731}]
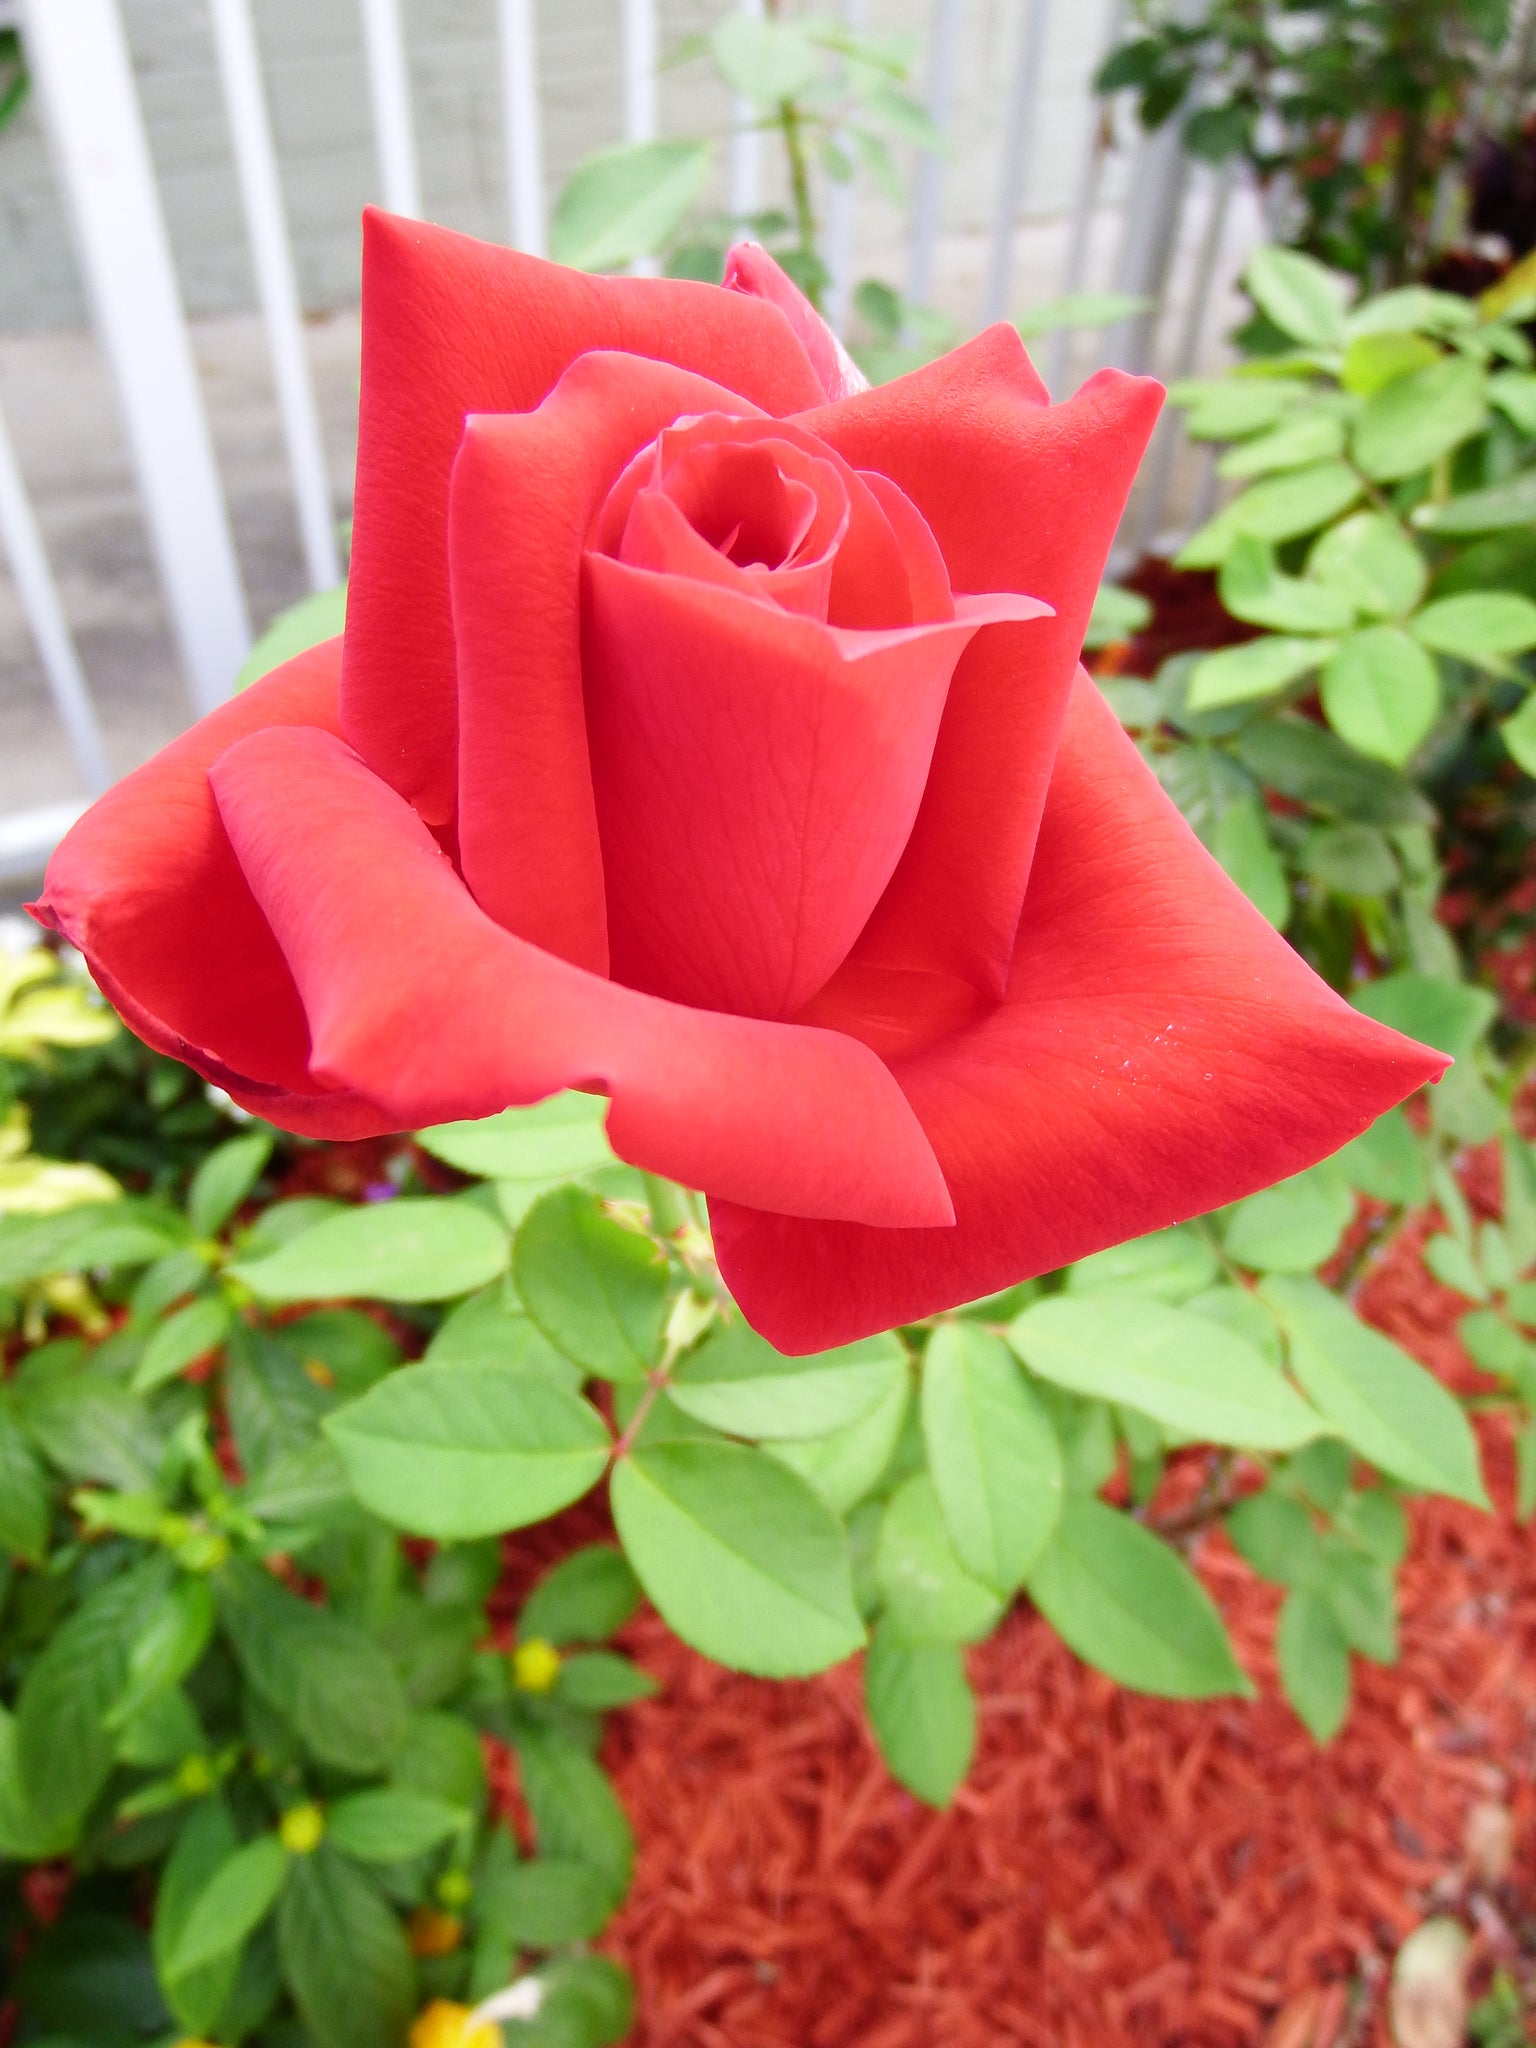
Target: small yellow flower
[
  {"x": 194, "y": 1777},
  {"x": 432, "y": 1933},
  {"x": 445, "y": 2025},
  {"x": 300, "y": 1829},
  {"x": 454, "y": 1889},
  {"x": 535, "y": 1666}
]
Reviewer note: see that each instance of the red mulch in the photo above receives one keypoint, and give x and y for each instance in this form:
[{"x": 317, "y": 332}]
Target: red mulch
[{"x": 1117, "y": 1870}]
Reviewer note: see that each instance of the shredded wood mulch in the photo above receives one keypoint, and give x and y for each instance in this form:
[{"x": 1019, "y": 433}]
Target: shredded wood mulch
[{"x": 1117, "y": 1870}]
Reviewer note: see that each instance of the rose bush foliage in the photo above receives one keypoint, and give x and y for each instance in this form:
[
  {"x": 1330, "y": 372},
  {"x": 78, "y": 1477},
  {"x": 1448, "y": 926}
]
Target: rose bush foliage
[{"x": 709, "y": 732}]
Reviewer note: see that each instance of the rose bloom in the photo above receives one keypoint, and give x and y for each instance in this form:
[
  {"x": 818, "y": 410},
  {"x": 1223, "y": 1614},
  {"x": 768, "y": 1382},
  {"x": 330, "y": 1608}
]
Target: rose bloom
[{"x": 708, "y": 731}]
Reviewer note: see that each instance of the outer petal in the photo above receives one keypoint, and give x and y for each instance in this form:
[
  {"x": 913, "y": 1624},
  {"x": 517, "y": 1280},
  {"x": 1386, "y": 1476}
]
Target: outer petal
[
  {"x": 416, "y": 998},
  {"x": 526, "y": 486},
  {"x": 147, "y": 887},
  {"x": 1161, "y": 1051},
  {"x": 452, "y": 327},
  {"x": 1021, "y": 495},
  {"x": 756, "y": 774},
  {"x": 749, "y": 268}
]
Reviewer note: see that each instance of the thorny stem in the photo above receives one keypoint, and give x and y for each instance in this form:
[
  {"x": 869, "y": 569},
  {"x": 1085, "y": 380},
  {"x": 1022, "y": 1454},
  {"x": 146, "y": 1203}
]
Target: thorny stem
[{"x": 791, "y": 122}]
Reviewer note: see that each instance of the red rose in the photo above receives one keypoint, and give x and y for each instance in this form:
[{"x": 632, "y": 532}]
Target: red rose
[{"x": 709, "y": 732}]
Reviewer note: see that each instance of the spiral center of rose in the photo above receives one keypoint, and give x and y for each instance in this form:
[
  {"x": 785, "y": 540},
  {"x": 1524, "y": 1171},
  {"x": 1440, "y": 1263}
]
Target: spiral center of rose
[{"x": 768, "y": 641}]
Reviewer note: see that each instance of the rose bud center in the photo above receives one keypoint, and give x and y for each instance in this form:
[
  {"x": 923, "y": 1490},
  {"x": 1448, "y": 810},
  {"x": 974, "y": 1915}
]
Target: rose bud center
[{"x": 769, "y": 638}]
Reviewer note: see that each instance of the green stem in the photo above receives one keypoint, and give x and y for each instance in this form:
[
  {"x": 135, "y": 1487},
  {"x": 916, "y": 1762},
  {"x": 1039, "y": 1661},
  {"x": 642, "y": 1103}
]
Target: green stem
[{"x": 793, "y": 128}]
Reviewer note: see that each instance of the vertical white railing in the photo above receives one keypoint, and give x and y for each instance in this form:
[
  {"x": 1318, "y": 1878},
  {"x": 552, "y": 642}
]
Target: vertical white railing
[
  {"x": 639, "y": 57},
  {"x": 1018, "y": 136},
  {"x": 389, "y": 94},
  {"x": 23, "y": 546},
  {"x": 85, "y": 82},
  {"x": 520, "y": 115},
  {"x": 838, "y": 238},
  {"x": 745, "y": 185},
  {"x": 928, "y": 185},
  {"x": 261, "y": 197},
  {"x": 1090, "y": 179}
]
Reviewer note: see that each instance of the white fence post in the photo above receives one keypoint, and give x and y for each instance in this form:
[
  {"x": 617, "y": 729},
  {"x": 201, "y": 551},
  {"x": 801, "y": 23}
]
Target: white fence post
[
  {"x": 85, "y": 81},
  {"x": 389, "y": 92},
  {"x": 839, "y": 216},
  {"x": 746, "y": 174},
  {"x": 261, "y": 196},
  {"x": 928, "y": 185},
  {"x": 45, "y": 615},
  {"x": 1018, "y": 138},
  {"x": 520, "y": 116}
]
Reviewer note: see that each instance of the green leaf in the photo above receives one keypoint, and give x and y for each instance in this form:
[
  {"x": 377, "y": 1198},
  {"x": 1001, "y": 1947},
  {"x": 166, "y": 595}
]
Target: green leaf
[
  {"x": 559, "y": 1139},
  {"x": 1306, "y": 437},
  {"x": 167, "y": 1644},
  {"x": 929, "y": 1595},
  {"x": 390, "y": 1825},
  {"x": 1277, "y": 1537},
  {"x": 234, "y": 1902},
  {"x": 182, "y": 1337},
  {"x": 64, "y": 1748},
  {"x": 743, "y": 1559},
  {"x": 588, "y": 2002},
  {"x": 844, "y": 1465},
  {"x": 96, "y": 1234},
  {"x": 1357, "y": 860},
  {"x": 1307, "y": 763},
  {"x": 25, "y": 1510},
  {"x": 1304, "y": 300},
  {"x": 922, "y": 1712},
  {"x": 1482, "y": 627},
  {"x": 597, "y": 1680},
  {"x": 627, "y": 202},
  {"x": 1449, "y": 1015},
  {"x": 1371, "y": 561},
  {"x": 1380, "y": 1400},
  {"x": 1411, "y": 308},
  {"x": 993, "y": 1455},
  {"x": 206, "y": 1842},
  {"x": 408, "y": 1249},
  {"x": 1130, "y": 1606},
  {"x": 1494, "y": 510},
  {"x": 92, "y": 1428},
  {"x": 1452, "y": 1265},
  {"x": 1226, "y": 408},
  {"x": 1376, "y": 1521},
  {"x": 456, "y": 1451},
  {"x": 1314, "y": 1662},
  {"x": 1362, "y": 1599},
  {"x": 24, "y": 1836},
  {"x": 596, "y": 1290},
  {"x": 224, "y": 1180},
  {"x": 344, "y": 1954},
  {"x": 1291, "y": 1227},
  {"x": 1386, "y": 1162},
  {"x": 330, "y": 1681},
  {"x": 736, "y": 1382},
  {"x": 1242, "y": 844},
  {"x": 318, "y": 617},
  {"x": 576, "y": 1813},
  {"x": 1279, "y": 508},
  {"x": 1410, "y": 423},
  {"x": 441, "y": 1755},
  {"x": 1170, "y": 1264},
  {"x": 1194, "y": 1374},
  {"x": 1075, "y": 310},
  {"x": 1117, "y": 614},
  {"x": 765, "y": 61},
  {"x": 1519, "y": 735},
  {"x": 585, "y": 1598},
  {"x": 1256, "y": 668},
  {"x": 547, "y": 1902},
  {"x": 1252, "y": 588},
  {"x": 1514, "y": 393},
  {"x": 342, "y": 1348},
  {"x": 1372, "y": 361},
  {"x": 490, "y": 1330},
  {"x": 1381, "y": 692}
]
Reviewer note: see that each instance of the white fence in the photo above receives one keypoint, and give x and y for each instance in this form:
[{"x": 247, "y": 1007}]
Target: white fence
[{"x": 1168, "y": 240}]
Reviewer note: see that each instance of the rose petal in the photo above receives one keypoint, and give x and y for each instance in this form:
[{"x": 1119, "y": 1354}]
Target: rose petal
[
  {"x": 1020, "y": 495},
  {"x": 147, "y": 887},
  {"x": 417, "y": 999},
  {"x": 1161, "y": 1051},
  {"x": 750, "y": 269},
  {"x": 525, "y": 489},
  {"x": 451, "y": 327},
  {"x": 756, "y": 776}
]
